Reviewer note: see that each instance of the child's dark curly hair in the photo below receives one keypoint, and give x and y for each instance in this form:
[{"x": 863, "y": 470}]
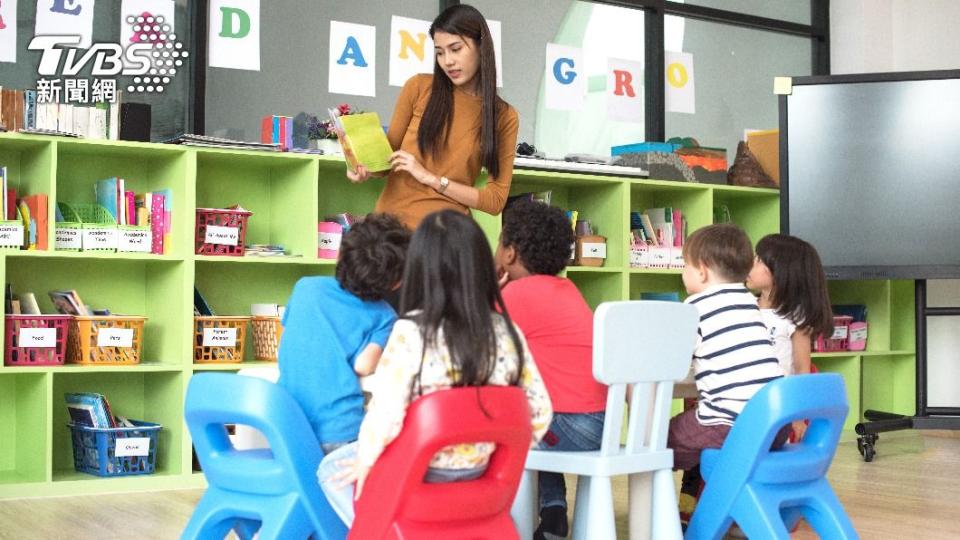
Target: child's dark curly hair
[
  {"x": 372, "y": 255},
  {"x": 541, "y": 234}
]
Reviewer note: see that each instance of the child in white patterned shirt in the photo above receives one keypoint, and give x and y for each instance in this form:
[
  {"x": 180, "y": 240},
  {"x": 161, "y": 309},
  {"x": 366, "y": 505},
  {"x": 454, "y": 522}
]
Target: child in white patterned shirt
[{"x": 450, "y": 335}]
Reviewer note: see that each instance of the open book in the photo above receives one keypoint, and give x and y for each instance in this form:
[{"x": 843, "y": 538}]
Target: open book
[{"x": 363, "y": 140}]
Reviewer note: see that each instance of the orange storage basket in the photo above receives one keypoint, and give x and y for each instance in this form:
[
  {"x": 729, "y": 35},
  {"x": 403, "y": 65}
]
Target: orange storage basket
[
  {"x": 231, "y": 352},
  {"x": 88, "y": 342}
]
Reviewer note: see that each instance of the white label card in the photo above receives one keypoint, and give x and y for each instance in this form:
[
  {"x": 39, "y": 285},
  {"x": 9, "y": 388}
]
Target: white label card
[
  {"x": 858, "y": 334},
  {"x": 219, "y": 337},
  {"x": 225, "y": 236},
  {"x": 329, "y": 241},
  {"x": 37, "y": 337},
  {"x": 115, "y": 337},
  {"x": 99, "y": 239},
  {"x": 136, "y": 241},
  {"x": 592, "y": 250},
  {"x": 132, "y": 446},
  {"x": 11, "y": 235},
  {"x": 840, "y": 332},
  {"x": 68, "y": 238}
]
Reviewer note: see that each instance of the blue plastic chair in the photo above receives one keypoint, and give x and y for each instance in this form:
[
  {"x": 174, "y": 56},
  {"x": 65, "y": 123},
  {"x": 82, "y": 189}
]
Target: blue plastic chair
[
  {"x": 277, "y": 486},
  {"x": 764, "y": 491}
]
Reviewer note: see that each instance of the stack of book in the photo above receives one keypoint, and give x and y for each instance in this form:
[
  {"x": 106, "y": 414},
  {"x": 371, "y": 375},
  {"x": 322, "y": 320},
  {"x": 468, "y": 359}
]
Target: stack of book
[
  {"x": 264, "y": 250},
  {"x": 150, "y": 209},
  {"x": 219, "y": 142},
  {"x": 657, "y": 236}
]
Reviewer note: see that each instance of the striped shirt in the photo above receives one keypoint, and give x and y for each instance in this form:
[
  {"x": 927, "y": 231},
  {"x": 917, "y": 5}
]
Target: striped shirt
[{"x": 733, "y": 358}]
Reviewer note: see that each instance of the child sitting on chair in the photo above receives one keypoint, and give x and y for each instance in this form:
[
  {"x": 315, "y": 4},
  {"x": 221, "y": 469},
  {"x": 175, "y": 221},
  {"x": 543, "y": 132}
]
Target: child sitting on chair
[
  {"x": 550, "y": 311},
  {"x": 455, "y": 331},
  {"x": 733, "y": 357},
  {"x": 336, "y": 329}
]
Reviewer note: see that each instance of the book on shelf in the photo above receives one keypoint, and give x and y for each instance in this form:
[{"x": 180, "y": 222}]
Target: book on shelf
[
  {"x": 89, "y": 409},
  {"x": 363, "y": 140},
  {"x": 68, "y": 303},
  {"x": 28, "y": 304},
  {"x": 188, "y": 139},
  {"x": 200, "y": 305}
]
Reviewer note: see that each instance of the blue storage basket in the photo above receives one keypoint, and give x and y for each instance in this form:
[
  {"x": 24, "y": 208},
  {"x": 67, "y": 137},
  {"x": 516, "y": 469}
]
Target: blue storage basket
[{"x": 94, "y": 449}]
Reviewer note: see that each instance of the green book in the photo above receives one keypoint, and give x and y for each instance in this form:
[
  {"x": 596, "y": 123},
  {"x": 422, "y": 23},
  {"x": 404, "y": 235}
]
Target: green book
[{"x": 363, "y": 141}]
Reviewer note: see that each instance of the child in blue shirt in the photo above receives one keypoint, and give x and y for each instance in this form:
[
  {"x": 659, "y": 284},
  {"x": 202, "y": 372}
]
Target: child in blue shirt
[{"x": 335, "y": 329}]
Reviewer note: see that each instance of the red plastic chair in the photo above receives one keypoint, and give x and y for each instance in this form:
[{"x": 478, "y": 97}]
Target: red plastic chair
[{"x": 397, "y": 504}]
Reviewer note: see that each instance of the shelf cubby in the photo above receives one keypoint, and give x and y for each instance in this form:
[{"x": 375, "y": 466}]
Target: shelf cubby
[
  {"x": 279, "y": 188},
  {"x": 755, "y": 210},
  {"x": 24, "y": 421},
  {"x": 152, "y": 397}
]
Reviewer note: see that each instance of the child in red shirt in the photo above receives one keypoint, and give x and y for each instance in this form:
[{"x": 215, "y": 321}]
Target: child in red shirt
[{"x": 534, "y": 247}]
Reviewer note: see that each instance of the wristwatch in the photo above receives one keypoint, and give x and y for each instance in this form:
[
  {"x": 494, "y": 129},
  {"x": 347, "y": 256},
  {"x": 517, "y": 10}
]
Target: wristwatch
[{"x": 444, "y": 182}]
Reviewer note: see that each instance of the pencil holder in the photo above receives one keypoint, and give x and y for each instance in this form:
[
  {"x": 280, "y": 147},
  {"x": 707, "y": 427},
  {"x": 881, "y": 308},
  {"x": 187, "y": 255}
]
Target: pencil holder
[
  {"x": 219, "y": 340},
  {"x": 35, "y": 340},
  {"x": 221, "y": 231},
  {"x": 111, "y": 339}
]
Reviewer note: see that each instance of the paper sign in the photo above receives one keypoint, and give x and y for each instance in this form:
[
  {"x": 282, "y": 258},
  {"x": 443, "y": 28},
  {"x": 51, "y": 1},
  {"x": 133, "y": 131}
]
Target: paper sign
[
  {"x": 68, "y": 238},
  {"x": 839, "y": 332},
  {"x": 137, "y": 241},
  {"x": 225, "y": 236},
  {"x": 659, "y": 257},
  {"x": 566, "y": 81},
  {"x": 858, "y": 334},
  {"x": 353, "y": 59},
  {"x": 115, "y": 337},
  {"x": 147, "y": 8},
  {"x": 65, "y": 18},
  {"x": 219, "y": 337},
  {"x": 591, "y": 250},
  {"x": 11, "y": 235},
  {"x": 625, "y": 90},
  {"x": 132, "y": 447},
  {"x": 37, "y": 337},
  {"x": 8, "y": 31},
  {"x": 678, "y": 82},
  {"x": 676, "y": 258},
  {"x": 329, "y": 241},
  {"x": 411, "y": 49},
  {"x": 234, "y": 34},
  {"x": 99, "y": 239},
  {"x": 496, "y": 33}
]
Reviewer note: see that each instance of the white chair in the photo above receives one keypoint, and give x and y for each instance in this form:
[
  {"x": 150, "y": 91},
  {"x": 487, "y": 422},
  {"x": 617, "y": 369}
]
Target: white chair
[{"x": 647, "y": 344}]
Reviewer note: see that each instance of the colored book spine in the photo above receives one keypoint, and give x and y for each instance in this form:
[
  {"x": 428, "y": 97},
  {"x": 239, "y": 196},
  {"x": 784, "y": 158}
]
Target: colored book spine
[{"x": 156, "y": 223}]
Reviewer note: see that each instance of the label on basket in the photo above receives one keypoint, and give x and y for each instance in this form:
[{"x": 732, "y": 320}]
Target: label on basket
[
  {"x": 37, "y": 337},
  {"x": 219, "y": 337},
  {"x": 68, "y": 238},
  {"x": 593, "y": 250},
  {"x": 139, "y": 241},
  {"x": 99, "y": 239},
  {"x": 11, "y": 235},
  {"x": 226, "y": 236},
  {"x": 132, "y": 446},
  {"x": 858, "y": 334},
  {"x": 329, "y": 241},
  {"x": 115, "y": 337},
  {"x": 839, "y": 332}
]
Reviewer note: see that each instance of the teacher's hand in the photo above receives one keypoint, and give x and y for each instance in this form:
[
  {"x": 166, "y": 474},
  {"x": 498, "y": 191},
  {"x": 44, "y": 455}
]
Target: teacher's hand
[
  {"x": 362, "y": 175},
  {"x": 404, "y": 161}
]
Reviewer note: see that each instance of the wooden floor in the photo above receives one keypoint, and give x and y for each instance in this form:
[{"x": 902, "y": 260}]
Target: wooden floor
[{"x": 911, "y": 491}]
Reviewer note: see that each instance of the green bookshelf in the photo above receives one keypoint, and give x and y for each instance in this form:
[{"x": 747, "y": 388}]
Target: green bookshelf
[{"x": 289, "y": 194}]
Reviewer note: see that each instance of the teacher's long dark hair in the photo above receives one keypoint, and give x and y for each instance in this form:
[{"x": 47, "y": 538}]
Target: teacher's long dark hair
[
  {"x": 449, "y": 279},
  {"x": 465, "y": 21}
]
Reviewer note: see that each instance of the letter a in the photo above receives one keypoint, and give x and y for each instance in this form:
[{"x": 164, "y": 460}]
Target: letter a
[{"x": 352, "y": 50}]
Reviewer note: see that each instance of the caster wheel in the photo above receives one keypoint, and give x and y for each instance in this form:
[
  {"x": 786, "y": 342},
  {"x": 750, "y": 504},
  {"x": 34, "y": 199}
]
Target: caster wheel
[{"x": 868, "y": 452}]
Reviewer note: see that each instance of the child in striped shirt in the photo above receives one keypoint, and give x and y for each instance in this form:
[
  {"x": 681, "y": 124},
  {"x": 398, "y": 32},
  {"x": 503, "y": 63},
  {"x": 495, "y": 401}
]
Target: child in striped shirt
[{"x": 733, "y": 357}]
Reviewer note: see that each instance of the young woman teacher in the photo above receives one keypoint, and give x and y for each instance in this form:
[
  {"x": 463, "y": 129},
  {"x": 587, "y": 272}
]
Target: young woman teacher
[{"x": 448, "y": 125}]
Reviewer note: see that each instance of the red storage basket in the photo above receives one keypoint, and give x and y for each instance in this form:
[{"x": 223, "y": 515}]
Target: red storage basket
[
  {"x": 215, "y": 217},
  {"x": 18, "y": 353},
  {"x": 840, "y": 340}
]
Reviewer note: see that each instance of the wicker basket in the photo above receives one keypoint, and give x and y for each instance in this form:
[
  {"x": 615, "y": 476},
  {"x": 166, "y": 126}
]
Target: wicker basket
[
  {"x": 112, "y": 339},
  {"x": 266, "y": 337},
  {"x": 219, "y": 340}
]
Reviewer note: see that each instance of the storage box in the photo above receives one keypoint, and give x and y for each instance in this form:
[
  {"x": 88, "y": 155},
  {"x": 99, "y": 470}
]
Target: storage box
[
  {"x": 221, "y": 231},
  {"x": 134, "y": 239},
  {"x": 329, "y": 235},
  {"x": 115, "y": 451},
  {"x": 35, "y": 340},
  {"x": 857, "y": 340},
  {"x": 219, "y": 340},
  {"x": 111, "y": 339},
  {"x": 839, "y": 341},
  {"x": 87, "y": 227},
  {"x": 591, "y": 250}
]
